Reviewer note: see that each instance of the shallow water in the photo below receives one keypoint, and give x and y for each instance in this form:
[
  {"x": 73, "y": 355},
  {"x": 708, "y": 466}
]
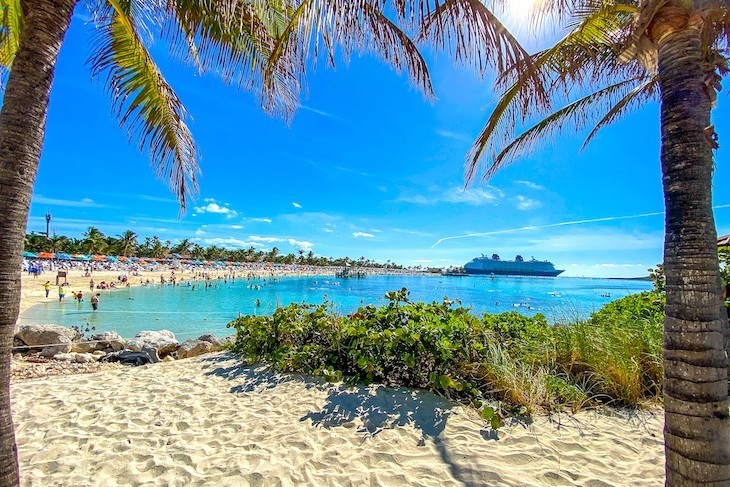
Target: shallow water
[{"x": 189, "y": 312}]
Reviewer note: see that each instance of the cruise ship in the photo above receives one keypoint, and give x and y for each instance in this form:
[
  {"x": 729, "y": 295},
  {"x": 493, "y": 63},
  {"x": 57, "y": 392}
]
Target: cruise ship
[{"x": 518, "y": 267}]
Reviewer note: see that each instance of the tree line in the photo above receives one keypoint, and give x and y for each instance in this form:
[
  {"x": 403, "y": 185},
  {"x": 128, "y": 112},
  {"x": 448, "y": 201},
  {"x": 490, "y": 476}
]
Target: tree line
[{"x": 128, "y": 243}]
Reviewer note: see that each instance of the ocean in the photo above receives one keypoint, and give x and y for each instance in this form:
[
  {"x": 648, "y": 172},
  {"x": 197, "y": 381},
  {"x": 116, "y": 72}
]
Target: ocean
[{"x": 189, "y": 313}]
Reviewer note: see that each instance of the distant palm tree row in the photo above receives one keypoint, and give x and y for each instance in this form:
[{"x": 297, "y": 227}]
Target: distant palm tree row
[{"x": 93, "y": 241}]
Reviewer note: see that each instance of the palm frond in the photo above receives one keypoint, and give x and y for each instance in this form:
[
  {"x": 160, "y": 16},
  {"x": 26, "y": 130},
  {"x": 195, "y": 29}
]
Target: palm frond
[
  {"x": 11, "y": 26},
  {"x": 144, "y": 103},
  {"x": 234, "y": 39},
  {"x": 576, "y": 115},
  {"x": 633, "y": 99}
]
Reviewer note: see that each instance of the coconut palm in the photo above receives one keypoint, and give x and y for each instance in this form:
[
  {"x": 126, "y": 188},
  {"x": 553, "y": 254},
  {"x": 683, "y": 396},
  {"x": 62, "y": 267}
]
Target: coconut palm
[
  {"x": 93, "y": 241},
  {"x": 127, "y": 243},
  {"x": 617, "y": 55}
]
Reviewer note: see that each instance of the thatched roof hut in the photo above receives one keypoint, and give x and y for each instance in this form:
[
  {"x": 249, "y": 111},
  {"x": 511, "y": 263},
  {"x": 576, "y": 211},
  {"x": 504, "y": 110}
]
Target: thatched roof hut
[{"x": 724, "y": 241}]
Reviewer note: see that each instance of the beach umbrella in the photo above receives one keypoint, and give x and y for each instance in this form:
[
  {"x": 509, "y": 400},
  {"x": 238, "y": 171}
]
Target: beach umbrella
[
  {"x": 123, "y": 259},
  {"x": 63, "y": 256},
  {"x": 29, "y": 254},
  {"x": 98, "y": 258},
  {"x": 141, "y": 262},
  {"x": 46, "y": 255},
  {"x": 81, "y": 257},
  {"x": 111, "y": 258}
]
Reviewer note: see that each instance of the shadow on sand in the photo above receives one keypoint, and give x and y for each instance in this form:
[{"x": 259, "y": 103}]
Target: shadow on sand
[{"x": 376, "y": 406}]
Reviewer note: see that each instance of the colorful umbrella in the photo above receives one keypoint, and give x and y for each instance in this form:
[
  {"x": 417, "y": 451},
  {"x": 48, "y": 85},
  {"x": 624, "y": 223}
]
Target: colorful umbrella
[
  {"x": 46, "y": 255},
  {"x": 63, "y": 256},
  {"x": 29, "y": 254},
  {"x": 98, "y": 258}
]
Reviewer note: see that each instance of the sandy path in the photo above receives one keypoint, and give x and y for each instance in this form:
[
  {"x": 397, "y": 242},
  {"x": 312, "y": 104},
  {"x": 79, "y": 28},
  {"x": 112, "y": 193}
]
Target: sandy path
[{"x": 207, "y": 421}]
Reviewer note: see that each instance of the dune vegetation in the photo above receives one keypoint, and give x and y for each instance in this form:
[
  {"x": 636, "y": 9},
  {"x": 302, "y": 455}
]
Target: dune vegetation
[{"x": 501, "y": 363}]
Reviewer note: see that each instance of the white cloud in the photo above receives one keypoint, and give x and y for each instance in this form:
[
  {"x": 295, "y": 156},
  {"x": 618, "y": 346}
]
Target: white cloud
[
  {"x": 230, "y": 243},
  {"x": 236, "y": 227},
  {"x": 455, "y": 194},
  {"x": 452, "y": 135},
  {"x": 362, "y": 234},
  {"x": 422, "y": 261},
  {"x": 83, "y": 203},
  {"x": 327, "y": 230},
  {"x": 296, "y": 205},
  {"x": 524, "y": 203},
  {"x": 529, "y": 184},
  {"x": 262, "y": 220},
  {"x": 301, "y": 244},
  {"x": 214, "y": 207},
  {"x": 416, "y": 233},
  {"x": 199, "y": 232},
  {"x": 256, "y": 238},
  {"x": 156, "y": 199}
]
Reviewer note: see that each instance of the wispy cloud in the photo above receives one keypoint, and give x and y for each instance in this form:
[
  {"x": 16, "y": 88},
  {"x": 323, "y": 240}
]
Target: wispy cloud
[
  {"x": 551, "y": 225},
  {"x": 643, "y": 266},
  {"x": 362, "y": 235},
  {"x": 529, "y": 184},
  {"x": 156, "y": 199},
  {"x": 200, "y": 232},
  {"x": 236, "y": 227},
  {"x": 416, "y": 233},
  {"x": 296, "y": 205},
  {"x": 452, "y": 135},
  {"x": 457, "y": 195},
  {"x": 262, "y": 220},
  {"x": 524, "y": 203},
  {"x": 256, "y": 238},
  {"x": 82, "y": 203},
  {"x": 229, "y": 243}
]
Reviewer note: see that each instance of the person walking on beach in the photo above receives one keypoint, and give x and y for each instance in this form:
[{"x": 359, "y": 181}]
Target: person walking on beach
[
  {"x": 95, "y": 301},
  {"x": 61, "y": 292},
  {"x": 47, "y": 287},
  {"x": 91, "y": 285}
]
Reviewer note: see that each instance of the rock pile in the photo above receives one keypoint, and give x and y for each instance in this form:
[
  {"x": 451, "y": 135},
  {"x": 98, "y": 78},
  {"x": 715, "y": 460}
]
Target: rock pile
[{"x": 37, "y": 344}]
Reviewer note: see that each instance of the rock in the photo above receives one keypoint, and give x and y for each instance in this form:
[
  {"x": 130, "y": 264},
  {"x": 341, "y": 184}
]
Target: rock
[
  {"x": 85, "y": 358},
  {"x": 65, "y": 357},
  {"x": 163, "y": 341},
  {"x": 17, "y": 342},
  {"x": 83, "y": 346},
  {"x": 109, "y": 339},
  {"x": 64, "y": 346},
  {"x": 58, "y": 338},
  {"x": 193, "y": 348},
  {"x": 211, "y": 338},
  {"x": 126, "y": 357},
  {"x": 98, "y": 353},
  {"x": 229, "y": 340},
  {"x": 169, "y": 358}
]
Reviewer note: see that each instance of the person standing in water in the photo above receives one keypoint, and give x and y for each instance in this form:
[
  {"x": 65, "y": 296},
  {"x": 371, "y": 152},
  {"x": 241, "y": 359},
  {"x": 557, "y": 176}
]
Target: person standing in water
[
  {"x": 47, "y": 287},
  {"x": 61, "y": 292},
  {"x": 95, "y": 301}
]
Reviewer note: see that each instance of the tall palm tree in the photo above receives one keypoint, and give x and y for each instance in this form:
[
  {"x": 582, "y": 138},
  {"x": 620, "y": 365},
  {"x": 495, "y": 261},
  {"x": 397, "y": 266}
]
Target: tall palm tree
[
  {"x": 257, "y": 45},
  {"x": 94, "y": 241},
  {"x": 182, "y": 248},
  {"x": 126, "y": 243},
  {"x": 617, "y": 55}
]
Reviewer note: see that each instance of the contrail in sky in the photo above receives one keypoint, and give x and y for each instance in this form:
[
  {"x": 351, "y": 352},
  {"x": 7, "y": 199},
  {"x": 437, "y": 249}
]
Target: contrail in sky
[{"x": 561, "y": 224}]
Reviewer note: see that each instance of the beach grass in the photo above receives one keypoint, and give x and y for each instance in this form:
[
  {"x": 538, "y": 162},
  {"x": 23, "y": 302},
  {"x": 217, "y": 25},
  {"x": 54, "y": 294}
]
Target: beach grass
[{"x": 523, "y": 364}]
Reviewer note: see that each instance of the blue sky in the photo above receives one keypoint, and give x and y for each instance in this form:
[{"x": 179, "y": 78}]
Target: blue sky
[{"x": 368, "y": 167}]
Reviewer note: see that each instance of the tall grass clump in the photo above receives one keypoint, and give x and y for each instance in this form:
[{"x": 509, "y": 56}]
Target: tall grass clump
[{"x": 522, "y": 362}]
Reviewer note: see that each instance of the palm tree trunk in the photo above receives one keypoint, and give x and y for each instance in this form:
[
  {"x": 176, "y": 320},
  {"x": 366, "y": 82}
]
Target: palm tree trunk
[
  {"x": 697, "y": 423},
  {"x": 22, "y": 129}
]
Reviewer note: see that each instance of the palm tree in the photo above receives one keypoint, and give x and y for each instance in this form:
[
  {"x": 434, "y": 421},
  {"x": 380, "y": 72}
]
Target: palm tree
[
  {"x": 57, "y": 243},
  {"x": 93, "y": 241},
  {"x": 182, "y": 248},
  {"x": 618, "y": 55},
  {"x": 257, "y": 45},
  {"x": 127, "y": 243}
]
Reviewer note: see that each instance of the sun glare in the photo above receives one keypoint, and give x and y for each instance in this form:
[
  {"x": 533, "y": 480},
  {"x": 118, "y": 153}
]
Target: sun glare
[{"x": 520, "y": 10}]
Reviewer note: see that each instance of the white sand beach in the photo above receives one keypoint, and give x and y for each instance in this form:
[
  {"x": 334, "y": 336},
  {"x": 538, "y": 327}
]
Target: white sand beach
[{"x": 210, "y": 421}]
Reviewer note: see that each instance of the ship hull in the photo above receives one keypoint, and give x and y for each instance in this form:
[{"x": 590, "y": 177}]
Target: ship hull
[{"x": 487, "y": 272}]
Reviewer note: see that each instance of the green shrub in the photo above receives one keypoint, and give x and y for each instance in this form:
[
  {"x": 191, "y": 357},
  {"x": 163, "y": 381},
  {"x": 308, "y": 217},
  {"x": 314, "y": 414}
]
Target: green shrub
[{"x": 520, "y": 361}]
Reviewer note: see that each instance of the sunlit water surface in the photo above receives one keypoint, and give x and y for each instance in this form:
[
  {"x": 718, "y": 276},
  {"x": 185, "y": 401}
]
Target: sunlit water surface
[{"x": 189, "y": 312}]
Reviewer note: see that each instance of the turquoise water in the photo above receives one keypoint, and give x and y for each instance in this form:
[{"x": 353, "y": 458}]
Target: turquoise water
[{"x": 189, "y": 312}]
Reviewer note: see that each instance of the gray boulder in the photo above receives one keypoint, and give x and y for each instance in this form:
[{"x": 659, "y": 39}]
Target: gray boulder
[
  {"x": 85, "y": 358},
  {"x": 84, "y": 346},
  {"x": 193, "y": 348},
  {"x": 211, "y": 338},
  {"x": 54, "y": 338},
  {"x": 109, "y": 339},
  {"x": 163, "y": 341}
]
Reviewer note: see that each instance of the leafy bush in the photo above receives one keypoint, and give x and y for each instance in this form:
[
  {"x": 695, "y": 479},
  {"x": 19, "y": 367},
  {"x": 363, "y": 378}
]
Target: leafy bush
[{"x": 521, "y": 361}]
